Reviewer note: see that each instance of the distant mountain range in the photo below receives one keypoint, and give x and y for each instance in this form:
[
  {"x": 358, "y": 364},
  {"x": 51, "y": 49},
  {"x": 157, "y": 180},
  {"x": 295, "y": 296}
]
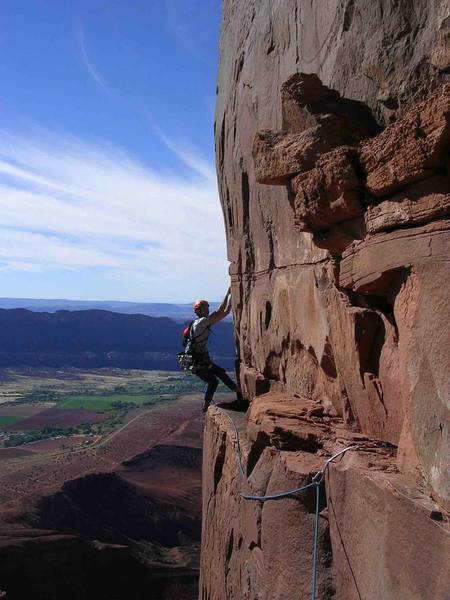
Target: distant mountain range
[
  {"x": 178, "y": 312},
  {"x": 100, "y": 338}
]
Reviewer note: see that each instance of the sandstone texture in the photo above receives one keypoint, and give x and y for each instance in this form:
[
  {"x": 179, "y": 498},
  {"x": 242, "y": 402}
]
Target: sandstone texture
[
  {"x": 329, "y": 193},
  {"x": 410, "y": 149},
  {"x": 333, "y": 150}
]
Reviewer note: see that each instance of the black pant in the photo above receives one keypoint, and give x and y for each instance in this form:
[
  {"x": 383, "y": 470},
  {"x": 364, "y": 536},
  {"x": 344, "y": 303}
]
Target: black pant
[{"x": 211, "y": 376}]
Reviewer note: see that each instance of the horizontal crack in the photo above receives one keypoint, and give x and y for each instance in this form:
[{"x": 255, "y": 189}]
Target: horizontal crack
[
  {"x": 419, "y": 224},
  {"x": 280, "y": 268}
]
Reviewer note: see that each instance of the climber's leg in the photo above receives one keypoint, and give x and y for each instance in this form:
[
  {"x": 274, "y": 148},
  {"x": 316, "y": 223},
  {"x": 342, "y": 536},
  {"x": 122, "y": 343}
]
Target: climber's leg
[{"x": 208, "y": 377}]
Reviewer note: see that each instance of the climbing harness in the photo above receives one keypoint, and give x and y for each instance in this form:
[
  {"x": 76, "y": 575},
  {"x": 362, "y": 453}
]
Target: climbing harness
[
  {"x": 192, "y": 360},
  {"x": 186, "y": 361},
  {"x": 316, "y": 482}
]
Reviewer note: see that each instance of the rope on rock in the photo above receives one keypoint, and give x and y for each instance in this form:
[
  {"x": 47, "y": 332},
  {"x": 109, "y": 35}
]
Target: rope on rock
[{"x": 316, "y": 482}]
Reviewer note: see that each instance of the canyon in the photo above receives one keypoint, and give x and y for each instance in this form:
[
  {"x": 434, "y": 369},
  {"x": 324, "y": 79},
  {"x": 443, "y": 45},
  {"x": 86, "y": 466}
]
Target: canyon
[
  {"x": 116, "y": 516},
  {"x": 332, "y": 149}
]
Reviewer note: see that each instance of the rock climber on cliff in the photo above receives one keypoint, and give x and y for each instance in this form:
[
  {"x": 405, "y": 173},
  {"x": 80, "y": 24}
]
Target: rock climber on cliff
[{"x": 197, "y": 345}]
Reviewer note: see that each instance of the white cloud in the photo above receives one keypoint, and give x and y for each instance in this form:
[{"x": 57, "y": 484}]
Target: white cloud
[{"x": 70, "y": 205}]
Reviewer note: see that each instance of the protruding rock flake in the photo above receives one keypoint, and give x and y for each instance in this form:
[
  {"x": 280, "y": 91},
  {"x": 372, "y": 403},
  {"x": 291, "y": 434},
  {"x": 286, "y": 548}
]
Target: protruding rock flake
[
  {"x": 410, "y": 149},
  {"x": 426, "y": 201},
  {"x": 340, "y": 272},
  {"x": 329, "y": 193},
  {"x": 279, "y": 156}
]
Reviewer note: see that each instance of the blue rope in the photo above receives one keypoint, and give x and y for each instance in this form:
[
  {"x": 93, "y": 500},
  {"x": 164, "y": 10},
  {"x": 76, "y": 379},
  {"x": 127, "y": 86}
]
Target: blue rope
[
  {"x": 316, "y": 481},
  {"x": 316, "y": 544},
  {"x": 280, "y": 495}
]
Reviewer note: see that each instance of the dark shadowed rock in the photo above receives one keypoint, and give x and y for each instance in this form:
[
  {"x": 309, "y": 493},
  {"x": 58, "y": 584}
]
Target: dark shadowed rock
[{"x": 306, "y": 102}]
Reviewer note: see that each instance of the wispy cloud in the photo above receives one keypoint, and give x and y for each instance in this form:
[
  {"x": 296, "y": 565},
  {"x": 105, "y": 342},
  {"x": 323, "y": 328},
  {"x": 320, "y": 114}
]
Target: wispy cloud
[
  {"x": 87, "y": 62},
  {"x": 190, "y": 23},
  {"x": 68, "y": 204},
  {"x": 183, "y": 151}
]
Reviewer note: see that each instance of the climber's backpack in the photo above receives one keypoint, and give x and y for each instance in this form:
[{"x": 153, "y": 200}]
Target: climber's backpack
[{"x": 187, "y": 334}]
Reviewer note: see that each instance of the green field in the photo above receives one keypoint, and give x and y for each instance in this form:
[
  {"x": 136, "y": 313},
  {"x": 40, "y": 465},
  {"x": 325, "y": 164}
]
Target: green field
[
  {"x": 103, "y": 403},
  {"x": 113, "y": 392},
  {"x": 7, "y": 420}
]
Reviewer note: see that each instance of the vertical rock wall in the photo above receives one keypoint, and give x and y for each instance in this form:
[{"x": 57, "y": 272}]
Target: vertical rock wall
[{"x": 332, "y": 144}]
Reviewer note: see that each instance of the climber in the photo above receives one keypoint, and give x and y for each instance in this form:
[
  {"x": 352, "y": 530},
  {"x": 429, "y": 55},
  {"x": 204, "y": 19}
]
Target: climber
[{"x": 198, "y": 346}]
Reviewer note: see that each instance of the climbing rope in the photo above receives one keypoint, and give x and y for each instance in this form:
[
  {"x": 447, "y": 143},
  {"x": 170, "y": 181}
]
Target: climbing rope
[{"x": 316, "y": 482}]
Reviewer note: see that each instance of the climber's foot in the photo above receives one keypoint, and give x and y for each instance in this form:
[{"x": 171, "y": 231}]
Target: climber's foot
[{"x": 240, "y": 404}]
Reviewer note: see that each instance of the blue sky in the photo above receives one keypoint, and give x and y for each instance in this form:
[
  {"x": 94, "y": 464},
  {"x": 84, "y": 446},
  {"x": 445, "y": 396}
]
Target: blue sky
[{"x": 107, "y": 182}]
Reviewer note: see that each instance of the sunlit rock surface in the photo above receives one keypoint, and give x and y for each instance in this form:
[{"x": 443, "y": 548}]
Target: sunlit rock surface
[{"x": 333, "y": 146}]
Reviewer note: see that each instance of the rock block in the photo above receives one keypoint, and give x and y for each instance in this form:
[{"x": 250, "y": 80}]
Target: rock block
[
  {"x": 368, "y": 266},
  {"x": 307, "y": 89},
  {"x": 329, "y": 193},
  {"x": 263, "y": 550},
  {"x": 299, "y": 91},
  {"x": 286, "y": 423},
  {"x": 278, "y": 156},
  {"x": 422, "y": 202},
  {"x": 410, "y": 149}
]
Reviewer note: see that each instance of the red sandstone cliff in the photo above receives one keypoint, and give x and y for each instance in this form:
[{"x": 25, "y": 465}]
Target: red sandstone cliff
[{"x": 333, "y": 148}]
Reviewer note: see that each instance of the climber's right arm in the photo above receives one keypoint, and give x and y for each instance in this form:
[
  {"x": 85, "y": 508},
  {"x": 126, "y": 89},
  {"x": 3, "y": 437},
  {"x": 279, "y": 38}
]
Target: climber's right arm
[{"x": 223, "y": 310}]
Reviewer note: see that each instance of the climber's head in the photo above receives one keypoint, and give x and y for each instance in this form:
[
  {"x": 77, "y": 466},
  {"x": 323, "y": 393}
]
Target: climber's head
[{"x": 201, "y": 308}]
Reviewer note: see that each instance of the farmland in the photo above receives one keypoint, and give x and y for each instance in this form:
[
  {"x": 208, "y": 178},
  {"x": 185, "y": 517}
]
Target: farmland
[
  {"x": 38, "y": 404},
  {"x": 6, "y": 420},
  {"x": 103, "y": 403},
  {"x": 90, "y": 421},
  {"x": 31, "y": 385}
]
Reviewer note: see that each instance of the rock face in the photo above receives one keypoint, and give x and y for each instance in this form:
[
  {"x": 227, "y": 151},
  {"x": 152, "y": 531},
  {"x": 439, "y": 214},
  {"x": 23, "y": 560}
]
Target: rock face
[{"x": 333, "y": 147}]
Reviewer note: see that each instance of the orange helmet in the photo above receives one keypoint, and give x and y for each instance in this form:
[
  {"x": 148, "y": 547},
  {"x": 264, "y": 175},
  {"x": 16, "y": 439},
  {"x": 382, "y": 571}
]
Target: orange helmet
[{"x": 199, "y": 303}]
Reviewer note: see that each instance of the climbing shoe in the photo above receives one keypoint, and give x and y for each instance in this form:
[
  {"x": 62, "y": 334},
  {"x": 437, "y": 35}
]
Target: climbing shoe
[{"x": 239, "y": 405}]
